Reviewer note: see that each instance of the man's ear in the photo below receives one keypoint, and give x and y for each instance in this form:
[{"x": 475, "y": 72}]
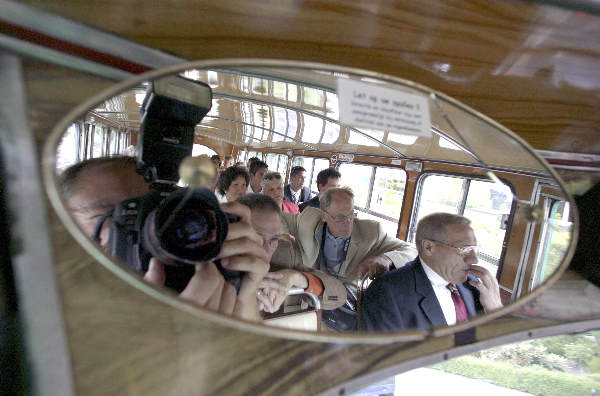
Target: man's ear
[
  {"x": 323, "y": 216},
  {"x": 427, "y": 247}
]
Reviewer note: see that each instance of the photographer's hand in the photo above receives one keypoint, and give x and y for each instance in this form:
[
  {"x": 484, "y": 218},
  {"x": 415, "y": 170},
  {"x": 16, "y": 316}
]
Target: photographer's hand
[
  {"x": 207, "y": 288},
  {"x": 243, "y": 251},
  {"x": 277, "y": 285}
]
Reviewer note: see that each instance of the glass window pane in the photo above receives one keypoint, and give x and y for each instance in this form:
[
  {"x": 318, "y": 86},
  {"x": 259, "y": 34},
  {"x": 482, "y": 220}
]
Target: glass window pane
[
  {"x": 333, "y": 108},
  {"x": 97, "y": 142},
  {"x": 388, "y": 192},
  {"x": 320, "y": 164},
  {"x": 282, "y": 165},
  {"x": 271, "y": 160},
  {"x": 438, "y": 194},
  {"x": 314, "y": 97},
  {"x": 199, "y": 149},
  {"x": 292, "y": 93},
  {"x": 292, "y": 130},
  {"x": 332, "y": 133},
  {"x": 358, "y": 178},
  {"x": 241, "y": 156},
  {"x": 279, "y": 124},
  {"x": 556, "y": 237},
  {"x": 360, "y": 139},
  {"x": 279, "y": 89},
  {"x": 259, "y": 86},
  {"x": 313, "y": 128},
  {"x": 66, "y": 153},
  {"x": 488, "y": 205}
]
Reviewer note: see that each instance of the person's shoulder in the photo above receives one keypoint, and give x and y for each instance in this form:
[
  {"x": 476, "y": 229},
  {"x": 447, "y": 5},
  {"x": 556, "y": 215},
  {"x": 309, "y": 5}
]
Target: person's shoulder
[
  {"x": 289, "y": 207},
  {"x": 400, "y": 273}
]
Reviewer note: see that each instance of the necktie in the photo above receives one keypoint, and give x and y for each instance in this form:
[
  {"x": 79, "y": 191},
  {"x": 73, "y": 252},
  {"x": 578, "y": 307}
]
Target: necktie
[{"x": 459, "y": 304}]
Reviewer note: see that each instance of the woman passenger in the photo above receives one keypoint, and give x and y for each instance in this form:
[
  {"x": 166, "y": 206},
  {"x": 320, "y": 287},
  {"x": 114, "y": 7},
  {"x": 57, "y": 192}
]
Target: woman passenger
[
  {"x": 273, "y": 187},
  {"x": 233, "y": 183}
]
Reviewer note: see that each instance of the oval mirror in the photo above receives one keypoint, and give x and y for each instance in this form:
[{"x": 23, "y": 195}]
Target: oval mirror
[{"x": 379, "y": 166}]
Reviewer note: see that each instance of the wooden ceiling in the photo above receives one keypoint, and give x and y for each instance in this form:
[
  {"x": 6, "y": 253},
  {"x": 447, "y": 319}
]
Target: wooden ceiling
[{"x": 534, "y": 68}]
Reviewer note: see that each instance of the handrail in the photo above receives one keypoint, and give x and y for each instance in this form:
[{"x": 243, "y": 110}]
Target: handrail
[{"x": 295, "y": 291}]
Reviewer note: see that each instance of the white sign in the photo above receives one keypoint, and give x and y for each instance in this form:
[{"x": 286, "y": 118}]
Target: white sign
[
  {"x": 346, "y": 157},
  {"x": 373, "y": 107}
]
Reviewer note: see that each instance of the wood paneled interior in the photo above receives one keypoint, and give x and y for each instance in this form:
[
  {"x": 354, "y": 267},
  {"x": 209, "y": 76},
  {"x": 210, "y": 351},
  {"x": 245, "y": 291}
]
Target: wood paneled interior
[
  {"x": 124, "y": 341},
  {"x": 531, "y": 67}
]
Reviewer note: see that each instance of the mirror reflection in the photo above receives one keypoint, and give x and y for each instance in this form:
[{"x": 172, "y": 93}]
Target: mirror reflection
[{"x": 245, "y": 191}]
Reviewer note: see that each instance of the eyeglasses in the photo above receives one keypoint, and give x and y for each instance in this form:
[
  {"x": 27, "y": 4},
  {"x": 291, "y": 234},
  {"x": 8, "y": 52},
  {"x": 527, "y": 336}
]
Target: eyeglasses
[
  {"x": 342, "y": 218},
  {"x": 272, "y": 241},
  {"x": 461, "y": 250}
]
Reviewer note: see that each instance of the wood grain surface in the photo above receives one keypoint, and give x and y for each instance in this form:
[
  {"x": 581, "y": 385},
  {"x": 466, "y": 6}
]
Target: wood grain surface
[{"x": 534, "y": 68}]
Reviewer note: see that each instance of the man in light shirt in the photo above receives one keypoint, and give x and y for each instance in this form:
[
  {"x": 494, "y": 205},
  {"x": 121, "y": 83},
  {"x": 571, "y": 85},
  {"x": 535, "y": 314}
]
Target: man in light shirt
[
  {"x": 257, "y": 171},
  {"x": 442, "y": 286}
]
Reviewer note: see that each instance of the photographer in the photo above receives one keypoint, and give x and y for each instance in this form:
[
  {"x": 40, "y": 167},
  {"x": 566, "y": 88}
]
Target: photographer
[{"x": 93, "y": 187}]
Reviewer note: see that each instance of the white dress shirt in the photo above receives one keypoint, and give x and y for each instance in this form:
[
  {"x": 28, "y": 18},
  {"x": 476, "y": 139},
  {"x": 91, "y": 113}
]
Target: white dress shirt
[
  {"x": 444, "y": 296},
  {"x": 296, "y": 194}
]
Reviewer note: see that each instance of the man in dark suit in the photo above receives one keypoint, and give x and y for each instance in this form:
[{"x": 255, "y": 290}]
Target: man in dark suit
[
  {"x": 433, "y": 290},
  {"x": 326, "y": 179},
  {"x": 295, "y": 192}
]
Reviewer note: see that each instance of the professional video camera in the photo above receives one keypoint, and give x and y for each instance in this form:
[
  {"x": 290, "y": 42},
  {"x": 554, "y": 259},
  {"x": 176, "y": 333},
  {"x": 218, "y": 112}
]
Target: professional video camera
[{"x": 178, "y": 226}]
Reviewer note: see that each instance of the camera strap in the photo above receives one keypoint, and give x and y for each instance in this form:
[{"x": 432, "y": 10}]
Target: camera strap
[{"x": 99, "y": 224}]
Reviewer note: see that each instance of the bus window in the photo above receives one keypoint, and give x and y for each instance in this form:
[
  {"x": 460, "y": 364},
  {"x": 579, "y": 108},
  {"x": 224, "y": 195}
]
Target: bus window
[
  {"x": 242, "y": 156},
  {"x": 66, "y": 153},
  {"x": 556, "y": 233},
  {"x": 378, "y": 193},
  {"x": 199, "y": 149},
  {"x": 486, "y": 204},
  {"x": 277, "y": 163},
  {"x": 313, "y": 166}
]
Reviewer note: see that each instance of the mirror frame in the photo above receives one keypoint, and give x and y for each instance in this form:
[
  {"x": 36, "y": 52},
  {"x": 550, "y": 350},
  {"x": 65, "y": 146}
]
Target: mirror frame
[{"x": 52, "y": 189}]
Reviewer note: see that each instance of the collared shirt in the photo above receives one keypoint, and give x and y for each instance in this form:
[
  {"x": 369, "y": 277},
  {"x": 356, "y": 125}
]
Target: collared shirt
[
  {"x": 334, "y": 251},
  {"x": 442, "y": 293},
  {"x": 296, "y": 195}
]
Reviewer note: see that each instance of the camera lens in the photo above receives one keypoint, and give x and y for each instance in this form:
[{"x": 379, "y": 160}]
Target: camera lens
[
  {"x": 190, "y": 229},
  {"x": 187, "y": 228}
]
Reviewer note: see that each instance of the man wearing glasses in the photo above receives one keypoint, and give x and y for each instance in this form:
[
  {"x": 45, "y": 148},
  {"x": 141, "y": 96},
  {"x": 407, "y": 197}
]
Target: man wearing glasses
[
  {"x": 276, "y": 284},
  {"x": 332, "y": 240},
  {"x": 442, "y": 286}
]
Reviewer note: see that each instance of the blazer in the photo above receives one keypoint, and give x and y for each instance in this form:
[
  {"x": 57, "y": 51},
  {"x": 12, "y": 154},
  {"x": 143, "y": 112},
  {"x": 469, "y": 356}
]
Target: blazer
[
  {"x": 367, "y": 240},
  {"x": 311, "y": 203},
  {"x": 404, "y": 299},
  {"x": 305, "y": 194}
]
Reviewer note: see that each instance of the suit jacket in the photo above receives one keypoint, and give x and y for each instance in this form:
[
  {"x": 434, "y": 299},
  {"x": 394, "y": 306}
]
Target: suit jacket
[
  {"x": 311, "y": 203},
  {"x": 404, "y": 299},
  {"x": 367, "y": 240},
  {"x": 305, "y": 194}
]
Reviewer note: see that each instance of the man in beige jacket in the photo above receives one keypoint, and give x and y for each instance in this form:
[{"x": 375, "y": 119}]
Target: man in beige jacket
[{"x": 332, "y": 240}]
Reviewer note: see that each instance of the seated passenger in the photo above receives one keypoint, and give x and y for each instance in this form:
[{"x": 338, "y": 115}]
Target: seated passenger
[
  {"x": 216, "y": 160},
  {"x": 256, "y": 171},
  {"x": 93, "y": 187},
  {"x": 273, "y": 187},
  {"x": 333, "y": 240},
  {"x": 232, "y": 184},
  {"x": 227, "y": 161},
  {"x": 295, "y": 192},
  {"x": 432, "y": 290},
  {"x": 326, "y": 179},
  {"x": 265, "y": 220}
]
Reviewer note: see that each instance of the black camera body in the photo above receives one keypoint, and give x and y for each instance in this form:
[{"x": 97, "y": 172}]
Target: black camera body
[{"x": 180, "y": 227}]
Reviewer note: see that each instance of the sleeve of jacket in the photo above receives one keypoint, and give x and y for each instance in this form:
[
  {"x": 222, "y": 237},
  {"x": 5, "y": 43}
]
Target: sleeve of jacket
[
  {"x": 397, "y": 250},
  {"x": 287, "y": 255}
]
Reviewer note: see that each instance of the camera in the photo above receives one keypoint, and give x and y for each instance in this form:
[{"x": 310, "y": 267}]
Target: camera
[{"x": 178, "y": 226}]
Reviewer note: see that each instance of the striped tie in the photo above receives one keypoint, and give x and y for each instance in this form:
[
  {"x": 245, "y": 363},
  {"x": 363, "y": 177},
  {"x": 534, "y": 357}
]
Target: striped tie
[{"x": 459, "y": 304}]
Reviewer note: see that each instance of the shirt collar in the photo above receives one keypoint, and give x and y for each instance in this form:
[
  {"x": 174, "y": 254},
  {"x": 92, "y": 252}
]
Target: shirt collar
[{"x": 434, "y": 277}]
